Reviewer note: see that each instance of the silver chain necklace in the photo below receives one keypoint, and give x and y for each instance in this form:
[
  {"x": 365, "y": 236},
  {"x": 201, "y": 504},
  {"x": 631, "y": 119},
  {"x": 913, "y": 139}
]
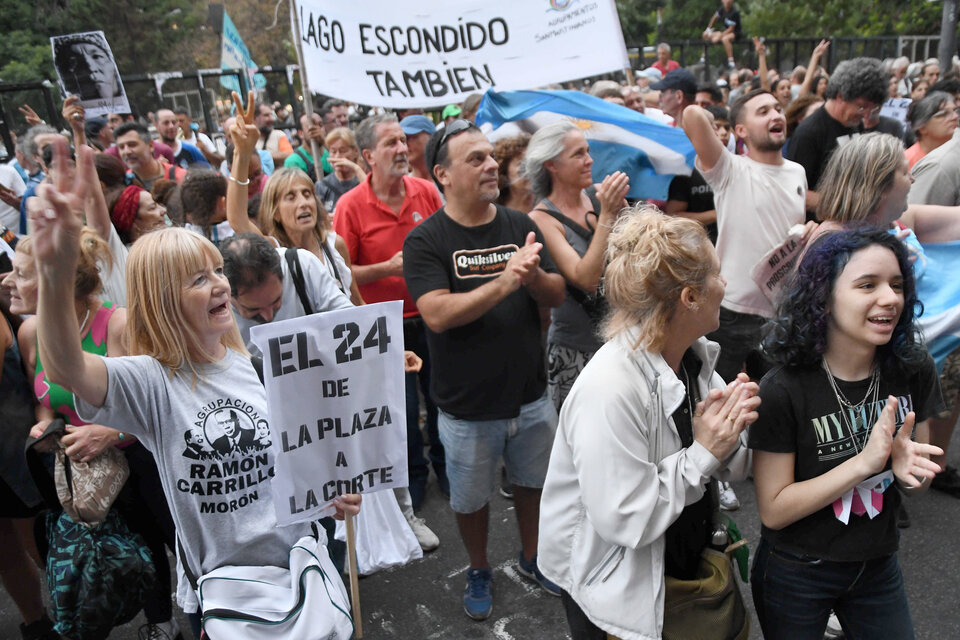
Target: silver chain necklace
[{"x": 848, "y": 408}]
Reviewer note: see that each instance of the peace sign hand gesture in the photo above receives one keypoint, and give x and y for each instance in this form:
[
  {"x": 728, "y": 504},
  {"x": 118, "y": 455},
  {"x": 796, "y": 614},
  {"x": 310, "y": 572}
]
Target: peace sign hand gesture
[{"x": 243, "y": 132}]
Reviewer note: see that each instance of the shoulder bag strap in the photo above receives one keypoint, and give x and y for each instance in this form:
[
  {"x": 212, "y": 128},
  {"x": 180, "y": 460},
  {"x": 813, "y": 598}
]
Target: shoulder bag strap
[
  {"x": 296, "y": 272},
  {"x": 191, "y": 576},
  {"x": 333, "y": 267},
  {"x": 553, "y": 212}
]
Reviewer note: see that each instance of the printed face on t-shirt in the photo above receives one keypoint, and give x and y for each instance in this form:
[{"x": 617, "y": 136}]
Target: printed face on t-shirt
[{"x": 229, "y": 423}]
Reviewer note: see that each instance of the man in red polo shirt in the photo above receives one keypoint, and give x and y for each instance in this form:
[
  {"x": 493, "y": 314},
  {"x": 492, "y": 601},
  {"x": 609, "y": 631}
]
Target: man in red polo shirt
[{"x": 374, "y": 219}]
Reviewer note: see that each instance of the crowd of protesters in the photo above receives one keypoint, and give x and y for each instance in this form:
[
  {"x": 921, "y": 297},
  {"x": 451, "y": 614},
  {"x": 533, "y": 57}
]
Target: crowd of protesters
[{"x": 615, "y": 358}]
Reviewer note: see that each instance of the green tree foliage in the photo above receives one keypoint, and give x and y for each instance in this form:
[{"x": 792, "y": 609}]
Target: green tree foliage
[
  {"x": 686, "y": 19},
  {"x": 638, "y": 20},
  {"x": 786, "y": 19}
]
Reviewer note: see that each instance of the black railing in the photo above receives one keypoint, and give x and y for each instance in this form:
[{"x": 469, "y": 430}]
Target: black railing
[{"x": 783, "y": 54}]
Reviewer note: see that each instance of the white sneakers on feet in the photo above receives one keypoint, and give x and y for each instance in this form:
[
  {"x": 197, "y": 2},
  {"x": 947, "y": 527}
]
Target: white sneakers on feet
[
  {"x": 834, "y": 630},
  {"x": 728, "y": 499},
  {"x": 428, "y": 539}
]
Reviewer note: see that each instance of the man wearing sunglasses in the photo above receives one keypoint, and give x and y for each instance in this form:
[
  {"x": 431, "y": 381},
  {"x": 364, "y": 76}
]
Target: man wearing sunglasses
[
  {"x": 374, "y": 218},
  {"x": 479, "y": 275}
]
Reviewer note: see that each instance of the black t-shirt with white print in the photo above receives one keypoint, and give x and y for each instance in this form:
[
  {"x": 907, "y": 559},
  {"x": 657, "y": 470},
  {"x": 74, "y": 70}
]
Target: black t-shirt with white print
[
  {"x": 800, "y": 414},
  {"x": 488, "y": 368},
  {"x": 727, "y": 19}
]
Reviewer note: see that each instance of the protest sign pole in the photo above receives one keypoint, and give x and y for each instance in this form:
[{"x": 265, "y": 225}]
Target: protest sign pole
[
  {"x": 354, "y": 583},
  {"x": 307, "y": 96}
]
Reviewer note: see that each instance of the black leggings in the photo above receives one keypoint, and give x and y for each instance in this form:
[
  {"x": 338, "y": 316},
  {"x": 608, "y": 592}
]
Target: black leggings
[
  {"x": 580, "y": 626},
  {"x": 142, "y": 504}
]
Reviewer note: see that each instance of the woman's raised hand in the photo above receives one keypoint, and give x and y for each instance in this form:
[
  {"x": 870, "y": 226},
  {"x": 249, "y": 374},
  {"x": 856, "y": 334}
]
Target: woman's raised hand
[
  {"x": 612, "y": 194},
  {"x": 911, "y": 464},
  {"x": 353, "y": 167},
  {"x": 724, "y": 414},
  {"x": 880, "y": 443},
  {"x": 54, "y": 223},
  {"x": 244, "y": 132}
]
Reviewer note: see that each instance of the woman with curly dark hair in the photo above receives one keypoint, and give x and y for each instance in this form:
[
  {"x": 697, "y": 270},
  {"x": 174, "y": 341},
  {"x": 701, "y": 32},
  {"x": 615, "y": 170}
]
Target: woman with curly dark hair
[
  {"x": 834, "y": 431},
  {"x": 514, "y": 187}
]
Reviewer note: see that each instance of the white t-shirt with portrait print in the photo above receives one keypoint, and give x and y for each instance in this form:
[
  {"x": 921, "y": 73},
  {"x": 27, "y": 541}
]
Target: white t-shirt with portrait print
[{"x": 211, "y": 442}]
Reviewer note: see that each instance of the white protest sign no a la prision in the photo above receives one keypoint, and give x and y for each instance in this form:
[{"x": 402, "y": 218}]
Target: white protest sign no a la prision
[
  {"x": 335, "y": 394},
  {"x": 428, "y": 53}
]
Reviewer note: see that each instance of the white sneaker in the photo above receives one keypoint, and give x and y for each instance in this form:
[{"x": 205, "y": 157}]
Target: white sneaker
[
  {"x": 728, "y": 499},
  {"x": 428, "y": 539},
  {"x": 834, "y": 630}
]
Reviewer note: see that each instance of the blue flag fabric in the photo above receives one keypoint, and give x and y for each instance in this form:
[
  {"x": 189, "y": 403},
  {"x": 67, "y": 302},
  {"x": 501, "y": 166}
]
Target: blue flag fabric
[
  {"x": 939, "y": 290},
  {"x": 649, "y": 152}
]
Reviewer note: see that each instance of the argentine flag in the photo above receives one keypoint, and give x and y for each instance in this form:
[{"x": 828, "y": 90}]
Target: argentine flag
[
  {"x": 939, "y": 290},
  {"x": 620, "y": 139}
]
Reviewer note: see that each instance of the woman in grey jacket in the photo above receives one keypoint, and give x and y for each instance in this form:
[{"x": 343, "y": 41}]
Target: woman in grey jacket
[{"x": 645, "y": 427}]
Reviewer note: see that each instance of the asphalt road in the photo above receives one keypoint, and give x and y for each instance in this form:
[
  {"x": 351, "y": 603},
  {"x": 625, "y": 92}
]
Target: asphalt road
[{"x": 422, "y": 600}]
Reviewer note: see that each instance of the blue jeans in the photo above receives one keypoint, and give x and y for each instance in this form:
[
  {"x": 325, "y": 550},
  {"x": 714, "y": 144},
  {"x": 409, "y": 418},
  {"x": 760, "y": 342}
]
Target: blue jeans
[
  {"x": 415, "y": 339},
  {"x": 794, "y": 594}
]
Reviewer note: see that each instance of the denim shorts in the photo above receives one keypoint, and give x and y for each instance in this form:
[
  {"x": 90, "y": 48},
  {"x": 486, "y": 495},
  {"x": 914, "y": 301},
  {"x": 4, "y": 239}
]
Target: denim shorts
[{"x": 474, "y": 447}]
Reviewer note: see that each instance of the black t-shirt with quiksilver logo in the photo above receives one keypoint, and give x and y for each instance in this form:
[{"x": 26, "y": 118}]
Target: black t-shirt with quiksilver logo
[{"x": 487, "y": 369}]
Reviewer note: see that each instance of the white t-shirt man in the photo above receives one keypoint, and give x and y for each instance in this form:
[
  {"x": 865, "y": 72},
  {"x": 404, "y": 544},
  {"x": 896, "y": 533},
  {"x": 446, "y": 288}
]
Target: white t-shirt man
[
  {"x": 757, "y": 204},
  {"x": 201, "y": 141}
]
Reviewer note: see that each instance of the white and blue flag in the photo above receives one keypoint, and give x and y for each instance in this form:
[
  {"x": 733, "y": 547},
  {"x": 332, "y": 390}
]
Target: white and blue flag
[
  {"x": 938, "y": 288},
  {"x": 620, "y": 139}
]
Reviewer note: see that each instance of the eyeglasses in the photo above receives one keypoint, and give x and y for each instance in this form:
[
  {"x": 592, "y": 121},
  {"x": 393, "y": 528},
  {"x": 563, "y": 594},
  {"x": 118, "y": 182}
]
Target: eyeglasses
[
  {"x": 450, "y": 130},
  {"x": 946, "y": 113}
]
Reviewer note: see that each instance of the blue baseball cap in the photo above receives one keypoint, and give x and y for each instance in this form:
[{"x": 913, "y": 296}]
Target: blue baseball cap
[{"x": 415, "y": 124}]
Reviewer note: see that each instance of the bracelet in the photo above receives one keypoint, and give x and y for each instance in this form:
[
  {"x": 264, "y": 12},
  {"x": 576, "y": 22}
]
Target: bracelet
[
  {"x": 605, "y": 225},
  {"x": 242, "y": 184}
]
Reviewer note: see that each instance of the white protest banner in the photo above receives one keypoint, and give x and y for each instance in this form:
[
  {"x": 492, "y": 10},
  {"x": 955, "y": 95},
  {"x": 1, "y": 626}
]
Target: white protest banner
[
  {"x": 896, "y": 108},
  {"x": 85, "y": 68},
  {"x": 335, "y": 392},
  {"x": 428, "y": 53},
  {"x": 773, "y": 269}
]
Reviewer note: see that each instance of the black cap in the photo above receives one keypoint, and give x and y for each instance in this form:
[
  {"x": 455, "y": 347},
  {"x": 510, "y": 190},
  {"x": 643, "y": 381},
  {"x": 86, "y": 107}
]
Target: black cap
[
  {"x": 678, "y": 79},
  {"x": 93, "y": 126}
]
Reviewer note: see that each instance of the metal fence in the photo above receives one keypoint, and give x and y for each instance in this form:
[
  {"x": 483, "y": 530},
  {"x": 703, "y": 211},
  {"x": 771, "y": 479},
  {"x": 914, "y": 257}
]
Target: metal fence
[
  {"x": 784, "y": 54},
  {"x": 200, "y": 93}
]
